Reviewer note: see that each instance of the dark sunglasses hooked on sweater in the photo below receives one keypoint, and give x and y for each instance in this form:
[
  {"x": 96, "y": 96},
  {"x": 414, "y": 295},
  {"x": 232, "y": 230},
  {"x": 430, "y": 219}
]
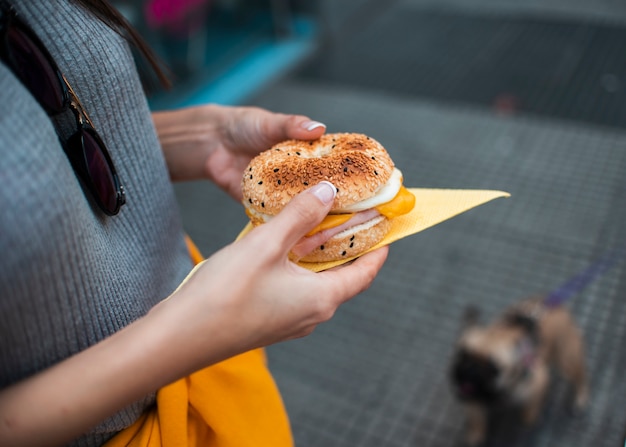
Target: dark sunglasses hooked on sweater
[{"x": 23, "y": 52}]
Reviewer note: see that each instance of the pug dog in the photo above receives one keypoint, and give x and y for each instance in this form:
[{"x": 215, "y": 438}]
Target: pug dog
[{"x": 507, "y": 364}]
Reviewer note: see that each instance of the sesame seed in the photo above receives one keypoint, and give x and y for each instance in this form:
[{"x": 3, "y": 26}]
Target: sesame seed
[
  {"x": 351, "y": 244},
  {"x": 306, "y": 183},
  {"x": 321, "y": 247},
  {"x": 298, "y": 153},
  {"x": 250, "y": 176},
  {"x": 260, "y": 183},
  {"x": 279, "y": 181},
  {"x": 343, "y": 253},
  {"x": 352, "y": 238},
  {"x": 263, "y": 204},
  {"x": 276, "y": 169},
  {"x": 375, "y": 172},
  {"x": 250, "y": 200}
]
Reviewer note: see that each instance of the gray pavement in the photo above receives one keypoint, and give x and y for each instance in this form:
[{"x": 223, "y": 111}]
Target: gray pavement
[{"x": 377, "y": 373}]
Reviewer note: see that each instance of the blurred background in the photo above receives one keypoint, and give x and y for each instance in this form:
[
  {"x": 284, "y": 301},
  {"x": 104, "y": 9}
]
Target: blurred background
[{"x": 526, "y": 96}]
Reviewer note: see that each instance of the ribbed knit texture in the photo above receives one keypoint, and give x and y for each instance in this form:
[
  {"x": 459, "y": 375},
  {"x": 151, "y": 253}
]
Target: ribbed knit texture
[{"x": 71, "y": 276}]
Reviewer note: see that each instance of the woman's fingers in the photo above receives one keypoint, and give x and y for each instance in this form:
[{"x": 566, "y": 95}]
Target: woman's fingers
[
  {"x": 279, "y": 127},
  {"x": 256, "y": 129},
  {"x": 351, "y": 279},
  {"x": 300, "y": 215}
]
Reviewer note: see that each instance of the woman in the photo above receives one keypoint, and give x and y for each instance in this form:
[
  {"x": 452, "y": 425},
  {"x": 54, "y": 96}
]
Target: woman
[{"x": 92, "y": 247}]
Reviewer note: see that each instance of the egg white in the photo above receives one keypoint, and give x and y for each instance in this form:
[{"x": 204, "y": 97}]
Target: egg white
[{"x": 384, "y": 194}]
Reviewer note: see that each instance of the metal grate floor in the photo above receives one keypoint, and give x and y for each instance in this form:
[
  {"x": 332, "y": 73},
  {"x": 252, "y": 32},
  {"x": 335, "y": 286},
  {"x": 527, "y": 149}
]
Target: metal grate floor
[{"x": 376, "y": 374}]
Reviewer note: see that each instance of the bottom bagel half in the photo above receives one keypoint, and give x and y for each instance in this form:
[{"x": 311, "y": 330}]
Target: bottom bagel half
[{"x": 351, "y": 242}]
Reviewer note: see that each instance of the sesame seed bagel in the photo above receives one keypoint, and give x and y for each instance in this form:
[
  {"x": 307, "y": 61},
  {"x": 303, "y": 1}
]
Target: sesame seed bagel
[
  {"x": 369, "y": 190},
  {"x": 356, "y": 164}
]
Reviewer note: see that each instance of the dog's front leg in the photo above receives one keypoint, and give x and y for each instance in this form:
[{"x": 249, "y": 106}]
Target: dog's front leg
[
  {"x": 476, "y": 424},
  {"x": 537, "y": 392},
  {"x": 571, "y": 362}
]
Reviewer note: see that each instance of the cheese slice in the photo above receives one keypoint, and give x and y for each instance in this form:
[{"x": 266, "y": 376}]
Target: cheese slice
[
  {"x": 331, "y": 221},
  {"x": 401, "y": 204}
]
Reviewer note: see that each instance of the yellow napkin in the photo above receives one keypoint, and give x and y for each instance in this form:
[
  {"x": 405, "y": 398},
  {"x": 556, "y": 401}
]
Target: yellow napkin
[{"x": 432, "y": 206}]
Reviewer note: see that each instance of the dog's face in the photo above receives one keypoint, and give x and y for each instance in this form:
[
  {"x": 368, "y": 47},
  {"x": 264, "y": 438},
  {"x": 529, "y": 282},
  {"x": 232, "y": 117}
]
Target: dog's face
[
  {"x": 475, "y": 376},
  {"x": 489, "y": 362}
]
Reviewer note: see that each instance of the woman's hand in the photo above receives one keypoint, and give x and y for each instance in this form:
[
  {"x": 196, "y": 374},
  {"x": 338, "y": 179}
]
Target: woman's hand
[
  {"x": 261, "y": 296},
  {"x": 217, "y": 142}
]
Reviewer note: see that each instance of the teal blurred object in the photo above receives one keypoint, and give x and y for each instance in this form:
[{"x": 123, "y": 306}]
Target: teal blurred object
[
  {"x": 243, "y": 62},
  {"x": 221, "y": 51}
]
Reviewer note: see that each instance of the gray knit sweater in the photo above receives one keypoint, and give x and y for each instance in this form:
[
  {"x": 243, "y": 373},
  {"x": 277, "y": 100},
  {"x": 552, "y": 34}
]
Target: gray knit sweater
[{"x": 71, "y": 276}]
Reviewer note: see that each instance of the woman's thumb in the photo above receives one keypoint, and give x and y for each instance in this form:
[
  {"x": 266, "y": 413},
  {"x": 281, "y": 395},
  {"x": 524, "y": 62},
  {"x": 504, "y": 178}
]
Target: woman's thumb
[{"x": 303, "y": 213}]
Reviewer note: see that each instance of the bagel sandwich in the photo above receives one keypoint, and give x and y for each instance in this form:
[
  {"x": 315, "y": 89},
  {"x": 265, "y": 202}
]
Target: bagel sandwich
[{"x": 370, "y": 192}]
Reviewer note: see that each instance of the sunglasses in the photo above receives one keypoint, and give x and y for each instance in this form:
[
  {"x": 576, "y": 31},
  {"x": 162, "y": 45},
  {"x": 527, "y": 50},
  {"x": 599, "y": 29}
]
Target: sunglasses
[{"x": 23, "y": 52}]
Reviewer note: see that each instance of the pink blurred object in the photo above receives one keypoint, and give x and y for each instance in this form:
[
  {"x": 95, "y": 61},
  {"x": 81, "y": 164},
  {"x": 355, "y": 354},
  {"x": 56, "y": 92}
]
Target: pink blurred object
[
  {"x": 176, "y": 15},
  {"x": 506, "y": 104}
]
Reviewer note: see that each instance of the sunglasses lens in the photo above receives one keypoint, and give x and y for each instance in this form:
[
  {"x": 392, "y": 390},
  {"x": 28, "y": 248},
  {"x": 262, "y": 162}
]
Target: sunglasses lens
[
  {"x": 35, "y": 70},
  {"x": 99, "y": 172}
]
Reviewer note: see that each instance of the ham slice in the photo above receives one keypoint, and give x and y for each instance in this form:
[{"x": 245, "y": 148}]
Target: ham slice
[{"x": 307, "y": 244}]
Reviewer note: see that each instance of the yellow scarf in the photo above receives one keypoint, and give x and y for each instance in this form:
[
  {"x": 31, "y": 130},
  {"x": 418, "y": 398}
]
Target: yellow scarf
[{"x": 234, "y": 403}]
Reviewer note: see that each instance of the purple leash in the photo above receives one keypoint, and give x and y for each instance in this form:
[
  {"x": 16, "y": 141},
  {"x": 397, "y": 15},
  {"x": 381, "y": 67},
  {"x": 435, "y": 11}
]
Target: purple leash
[{"x": 585, "y": 277}]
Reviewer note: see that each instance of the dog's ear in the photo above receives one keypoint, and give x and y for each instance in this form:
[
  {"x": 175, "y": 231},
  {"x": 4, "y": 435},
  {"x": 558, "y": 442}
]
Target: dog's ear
[
  {"x": 528, "y": 324},
  {"x": 471, "y": 317},
  {"x": 469, "y": 320}
]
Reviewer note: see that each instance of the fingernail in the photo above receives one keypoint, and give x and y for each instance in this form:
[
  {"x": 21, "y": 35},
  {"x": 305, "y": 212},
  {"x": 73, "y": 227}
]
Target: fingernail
[
  {"x": 325, "y": 191},
  {"x": 312, "y": 125}
]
